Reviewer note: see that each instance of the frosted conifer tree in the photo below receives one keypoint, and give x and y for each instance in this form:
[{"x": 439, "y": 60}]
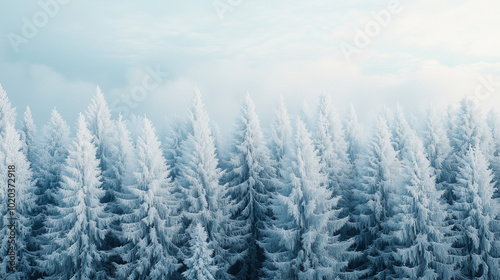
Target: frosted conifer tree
[
  {"x": 437, "y": 145},
  {"x": 199, "y": 180},
  {"x": 475, "y": 212},
  {"x": 306, "y": 219},
  {"x": 250, "y": 185},
  {"x": 7, "y": 113},
  {"x": 470, "y": 130},
  {"x": 104, "y": 133},
  {"x": 28, "y": 137},
  {"x": 374, "y": 199},
  {"x": 332, "y": 151},
  {"x": 150, "y": 225},
  {"x": 494, "y": 123},
  {"x": 79, "y": 229},
  {"x": 54, "y": 144},
  {"x": 176, "y": 135},
  {"x": 422, "y": 252},
  {"x": 11, "y": 148},
  {"x": 281, "y": 136},
  {"x": 354, "y": 136}
]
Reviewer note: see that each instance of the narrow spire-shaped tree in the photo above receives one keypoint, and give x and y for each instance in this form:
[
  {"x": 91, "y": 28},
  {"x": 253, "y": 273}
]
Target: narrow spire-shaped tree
[
  {"x": 494, "y": 123},
  {"x": 354, "y": 136},
  {"x": 475, "y": 212},
  {"x": 281, "y": 148},
  {"x": 306, "y": 219},
  {"x": 374, "y": 199},
  {"x": 332, "y": 151},
  {"x": 199, "y": 180},
  {"x": 150, "y": 225},
  {"x": 79, "y": 229},
  {"x": 250, "y": 185},
  {"x": 21, "y": 194},
  {"x": 281, "y": 143},
  {"x": 28, "y": 138},
  {"x": 422, "y": 252},
  {"x": 54, "y": 144},
  {"x": 470, "y": 130},
  {"x": 437, "y": 145},
  {"x": 7, "y": 113}
]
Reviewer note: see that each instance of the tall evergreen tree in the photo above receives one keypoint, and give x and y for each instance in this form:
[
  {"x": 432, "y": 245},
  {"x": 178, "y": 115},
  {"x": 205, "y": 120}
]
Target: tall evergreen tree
[
  {"x": 22, "y": 196},
  {"x": 332, "y": 151},
  {"x": 476, "y": 219},
  {"x": 422, "y": 252},
  {"x": 250, "y": 185},
  {"x": 7, "y": 112},
  {"x": 354, "y": 137},
  {"x": 200, "y": 182},
  {"x": 307, "y": 220},
  {"x": 28, "y": 138},
  {"x": 494, "y": 124},
  {"x": 150, "y": 226},
  {"x": 374, "y": 197},
  {"x": 437, "y": 145},
  {"x": 79, "y": 229}
]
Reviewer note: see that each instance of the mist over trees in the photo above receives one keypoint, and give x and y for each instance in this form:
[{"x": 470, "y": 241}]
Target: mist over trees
[{"x": 321, "y": 196}]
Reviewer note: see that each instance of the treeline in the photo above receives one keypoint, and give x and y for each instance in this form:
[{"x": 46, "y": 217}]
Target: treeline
[{"x": 317, "y": 199}]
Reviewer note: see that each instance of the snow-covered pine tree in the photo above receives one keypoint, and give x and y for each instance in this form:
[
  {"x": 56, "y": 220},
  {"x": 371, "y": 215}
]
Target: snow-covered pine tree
[
  {"x": 306, "y": 220},
  {"x": 200, "y": 263},
  {"x": 332, "y": 151},
  {"x": 470, "y": 130},
  {"x": 281, "y": 135},
  {"x": 494, "y": 124},
  {"x": 374, "y": 199},
  {"x": 28, "y": 138},
  {"x": 422, "y": 252},
  {"x": 203, "y": 194},
  {"x": 476, "y": 219},
  {"x": 250, "y": 180},
  {"x": 149, "y": 224},
  {"x": 437, "y": 145},
  {"x": 23, "y": 199},
  {"x": 79, "y": 229},
  {"x": 400, "y": 132},
  {"x": 7, "y": 113},
  {"x": 126, "y": 167},
  {"x": 103, "y": 130},
  {"x": 54, "y": 144},
  {"x": 280, "y": 147},
  {"x": 354, "y": 137},
  {"x": 176, "y": 135}
]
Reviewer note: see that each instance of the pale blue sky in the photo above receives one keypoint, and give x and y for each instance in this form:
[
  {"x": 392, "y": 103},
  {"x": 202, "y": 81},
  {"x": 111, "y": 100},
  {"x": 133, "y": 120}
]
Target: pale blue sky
[{"x": 427, "y": 52}]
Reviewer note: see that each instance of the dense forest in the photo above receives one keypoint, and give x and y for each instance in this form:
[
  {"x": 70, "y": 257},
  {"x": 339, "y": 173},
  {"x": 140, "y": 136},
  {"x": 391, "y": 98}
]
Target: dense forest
[{"x": 317, "y": 198}]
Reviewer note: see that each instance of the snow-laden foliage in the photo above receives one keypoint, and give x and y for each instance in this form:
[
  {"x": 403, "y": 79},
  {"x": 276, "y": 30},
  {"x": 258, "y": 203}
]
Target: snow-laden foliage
[
  {"x": 421, "y": 252},
  {"x": 476, "y": 247},
  {"x": 250, "y": 185},
  {"x": 200, "y": 262},
  {"x": 203, "y": 196},
  {"x": 315, "y": 201},
  {"x": 306, "y": 217},
  {"x": 149, "y": 224},
  {"x": 80, "y": 226},
  {"x": 374, "y": 197}
]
